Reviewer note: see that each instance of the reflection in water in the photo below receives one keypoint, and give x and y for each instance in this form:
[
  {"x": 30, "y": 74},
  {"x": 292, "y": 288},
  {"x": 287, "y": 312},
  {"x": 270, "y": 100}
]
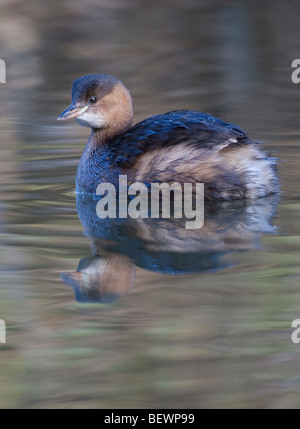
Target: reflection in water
[{"x": 163, "y": 245}]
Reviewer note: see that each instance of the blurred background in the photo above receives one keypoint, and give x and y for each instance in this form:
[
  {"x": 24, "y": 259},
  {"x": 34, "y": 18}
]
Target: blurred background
[{"x": 177, "y": 338}]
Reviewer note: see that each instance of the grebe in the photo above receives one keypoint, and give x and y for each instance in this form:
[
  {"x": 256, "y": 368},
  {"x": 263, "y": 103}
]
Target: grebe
[{"x": 179, "y": 146}]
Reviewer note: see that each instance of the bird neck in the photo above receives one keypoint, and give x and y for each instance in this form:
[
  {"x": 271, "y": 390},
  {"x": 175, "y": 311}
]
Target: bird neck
[{"x": 96, "y": 164}]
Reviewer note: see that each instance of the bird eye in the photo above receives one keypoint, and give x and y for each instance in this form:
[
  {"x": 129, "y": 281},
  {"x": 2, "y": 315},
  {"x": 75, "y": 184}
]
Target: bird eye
[{"x": 93, "y": 100}]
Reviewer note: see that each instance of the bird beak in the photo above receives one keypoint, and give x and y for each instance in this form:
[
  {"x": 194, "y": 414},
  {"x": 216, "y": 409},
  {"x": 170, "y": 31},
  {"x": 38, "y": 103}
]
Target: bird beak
[{"x": 72, "y": 112}]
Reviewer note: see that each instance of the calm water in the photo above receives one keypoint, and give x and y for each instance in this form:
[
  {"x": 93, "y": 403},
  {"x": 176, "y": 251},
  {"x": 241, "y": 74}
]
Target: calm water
[{"x": 172, "y": 318}]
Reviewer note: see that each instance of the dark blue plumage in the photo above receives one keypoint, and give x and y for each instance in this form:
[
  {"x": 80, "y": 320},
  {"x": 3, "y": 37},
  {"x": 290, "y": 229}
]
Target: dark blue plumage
[{"x": 191, "y": 127}]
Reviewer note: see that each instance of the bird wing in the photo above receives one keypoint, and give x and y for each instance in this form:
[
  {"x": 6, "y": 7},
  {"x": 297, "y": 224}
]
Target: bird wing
[{"x": 193, "y": 128}]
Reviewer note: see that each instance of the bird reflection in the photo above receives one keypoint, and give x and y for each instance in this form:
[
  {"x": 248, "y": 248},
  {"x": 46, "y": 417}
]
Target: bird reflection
[{"x": 163, "y": 245}]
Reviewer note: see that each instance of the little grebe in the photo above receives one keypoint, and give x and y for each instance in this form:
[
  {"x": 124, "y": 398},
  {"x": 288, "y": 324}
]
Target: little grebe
[{"x": 179, "y": 146}]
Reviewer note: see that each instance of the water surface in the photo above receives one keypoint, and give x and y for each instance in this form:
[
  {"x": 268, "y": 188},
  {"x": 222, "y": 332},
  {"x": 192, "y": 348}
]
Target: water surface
[{"x": 178, "y": 319}]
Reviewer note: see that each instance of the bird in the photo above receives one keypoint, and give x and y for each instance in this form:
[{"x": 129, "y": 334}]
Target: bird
[{"x": 182, "y": 146}]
